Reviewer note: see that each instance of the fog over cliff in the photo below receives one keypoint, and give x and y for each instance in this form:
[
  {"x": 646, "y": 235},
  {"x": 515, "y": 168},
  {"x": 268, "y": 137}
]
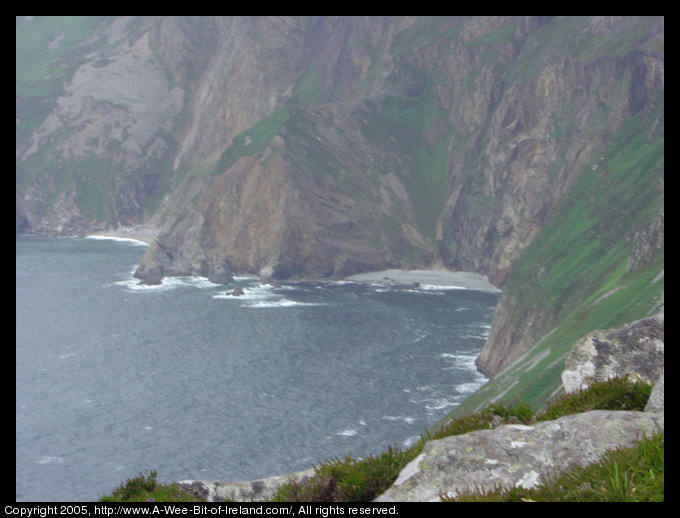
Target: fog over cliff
[{"x": 528, "y": 149}]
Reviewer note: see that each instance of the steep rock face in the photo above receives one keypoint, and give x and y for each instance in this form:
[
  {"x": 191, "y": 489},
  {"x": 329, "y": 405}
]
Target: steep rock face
[
  {"x": 326, "y": 146},
  {"x": 105, "y": 136},
  {"x": 459, "y": 133},
  {"x": 462, "y": 144},
  {"x": 656, "y": 399}
]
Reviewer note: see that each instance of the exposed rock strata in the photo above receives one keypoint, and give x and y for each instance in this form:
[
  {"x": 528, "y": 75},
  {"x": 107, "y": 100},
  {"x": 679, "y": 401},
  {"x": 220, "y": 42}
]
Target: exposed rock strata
[
  {"x": 499, "y": 139},
  {"x": 328, "y": 146}
]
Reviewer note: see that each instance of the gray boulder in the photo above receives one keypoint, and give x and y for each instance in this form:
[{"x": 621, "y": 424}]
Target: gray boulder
[
  {"x": 259, "y": 490},
  {"x": 655, "y": 403},
  {"x": 517, "y": 455},
  {"x": 635, "y": 350}
]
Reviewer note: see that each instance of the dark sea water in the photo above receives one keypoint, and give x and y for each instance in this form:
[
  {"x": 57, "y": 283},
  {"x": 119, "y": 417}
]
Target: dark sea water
[{"x": 113, "y": 378}]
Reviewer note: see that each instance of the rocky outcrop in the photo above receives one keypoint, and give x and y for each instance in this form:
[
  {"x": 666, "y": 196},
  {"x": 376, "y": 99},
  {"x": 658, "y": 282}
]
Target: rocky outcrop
[
  {"x": 656, "y": 399},
  {"x": 517, "y": 455},
  {"x": 260, "y": 490},
  {"x": 360, "y": 155},
  {"x": 635, "y": 350}
]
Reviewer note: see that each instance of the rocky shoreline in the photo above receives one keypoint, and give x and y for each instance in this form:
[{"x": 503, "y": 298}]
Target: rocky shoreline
[
  {"x": 435, "y": 277},
  {"x": 422, "y": 278}
]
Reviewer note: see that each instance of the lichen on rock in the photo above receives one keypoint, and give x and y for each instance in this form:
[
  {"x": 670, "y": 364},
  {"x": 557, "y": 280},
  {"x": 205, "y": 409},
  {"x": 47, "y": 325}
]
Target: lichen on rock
[
  {"x": 517, "y": 455},
  {"x": 635, "y": 350}
]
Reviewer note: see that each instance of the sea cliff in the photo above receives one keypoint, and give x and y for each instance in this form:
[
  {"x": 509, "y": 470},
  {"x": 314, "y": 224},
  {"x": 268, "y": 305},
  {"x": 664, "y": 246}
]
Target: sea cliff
[{"x": 525, "y": 149}]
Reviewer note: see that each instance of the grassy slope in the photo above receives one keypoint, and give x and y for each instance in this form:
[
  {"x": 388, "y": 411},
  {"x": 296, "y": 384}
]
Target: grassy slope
[
  {"x": 48, "y": 51},
  {"x": 581, "y": 255}
]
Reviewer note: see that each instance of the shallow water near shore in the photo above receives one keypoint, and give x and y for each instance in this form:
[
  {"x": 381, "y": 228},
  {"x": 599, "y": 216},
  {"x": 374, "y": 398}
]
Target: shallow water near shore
[{"x": 188, "y": 378}]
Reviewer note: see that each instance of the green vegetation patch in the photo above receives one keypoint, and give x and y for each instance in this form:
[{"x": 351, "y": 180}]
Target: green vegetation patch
[
  {"x": 93, "y": 185},
  {"x": 252, "y": 140},
  {"x": 308, "y": 89},
  {"x": 413, "y": 131},
  {"x": 347, "y": 480},
  {"x": 89, "y": 175},
  {"x": 575, "y": 274},
  {"x": 500, "y": 36},
  {"x": 146, "y": 488},
  {"x": 614, "y": 394},
  {"x": 47, "y": 50},
  {"x": 426, "y": 30}
]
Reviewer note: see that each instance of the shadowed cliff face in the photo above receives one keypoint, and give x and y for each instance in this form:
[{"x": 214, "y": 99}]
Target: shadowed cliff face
[{"x": 326, "y": 146}]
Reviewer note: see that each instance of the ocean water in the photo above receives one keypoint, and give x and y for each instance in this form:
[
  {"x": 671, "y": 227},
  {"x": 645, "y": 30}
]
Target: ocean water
[{"x": 114, "y": 378}]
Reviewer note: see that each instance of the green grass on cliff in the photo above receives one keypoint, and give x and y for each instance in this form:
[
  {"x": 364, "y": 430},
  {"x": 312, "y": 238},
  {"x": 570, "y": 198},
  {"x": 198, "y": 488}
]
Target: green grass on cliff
[
  {"x": 252, "y": 140},
  {"x": 574, "y": 277},
  {"x": 46, "y": 51},
  {"x": 89, "y": 175},
  {"x": 411, "y": 130}
]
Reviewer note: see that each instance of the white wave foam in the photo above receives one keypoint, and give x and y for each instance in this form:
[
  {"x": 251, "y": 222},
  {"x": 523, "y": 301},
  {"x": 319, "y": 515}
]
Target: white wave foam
[
  {"x": 461, "y": 361},
  {"x": 403, "y": 419},
  {"x": 438, "y": 287},
  {"x": 263, "y": 296},
  {"x": 349, "y": 432},
  {"x": 257, "y": 291},
  {"x": 168, "y": 283},
  {"x": 283, "y": 303},
  {"x": 410, "y": 441},
  {"x": 440, "y": 404},
  {"x": 130, "y": 240},
  {"x": 469, "y": 388},
  {"x": 48, "y": 459}
]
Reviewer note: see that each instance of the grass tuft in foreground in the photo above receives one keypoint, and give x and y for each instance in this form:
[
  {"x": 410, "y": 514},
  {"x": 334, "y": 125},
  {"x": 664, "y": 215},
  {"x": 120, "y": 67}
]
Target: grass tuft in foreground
[
  {"x": 614, "y": 394},
  {"x": 347, "y": 480},
  {"x": 145, "y": 488}
]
